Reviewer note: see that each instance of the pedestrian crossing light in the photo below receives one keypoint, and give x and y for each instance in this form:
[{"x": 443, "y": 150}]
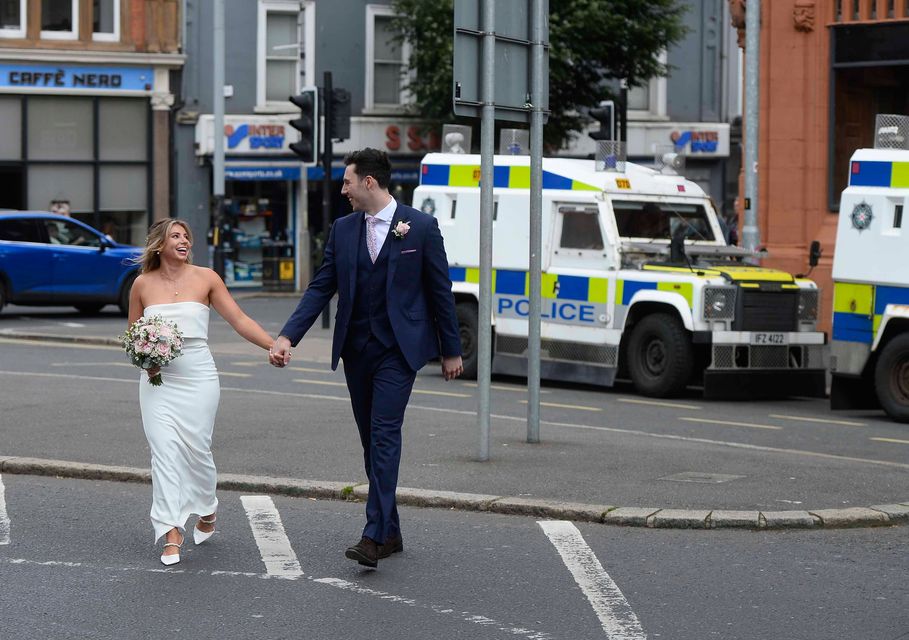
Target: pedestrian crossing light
[{"x": 307, "y": 124}]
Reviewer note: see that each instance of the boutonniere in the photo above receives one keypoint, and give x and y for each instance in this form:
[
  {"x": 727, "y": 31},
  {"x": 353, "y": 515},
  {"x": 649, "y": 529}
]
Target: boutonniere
[{"x": 401, "y": 229}]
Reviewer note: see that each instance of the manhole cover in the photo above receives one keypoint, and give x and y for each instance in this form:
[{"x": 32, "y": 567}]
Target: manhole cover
[{"x": 697, "y": 476}]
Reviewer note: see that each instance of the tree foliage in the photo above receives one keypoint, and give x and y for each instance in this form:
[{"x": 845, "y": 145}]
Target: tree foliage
[{"x": 592, "y": 44}]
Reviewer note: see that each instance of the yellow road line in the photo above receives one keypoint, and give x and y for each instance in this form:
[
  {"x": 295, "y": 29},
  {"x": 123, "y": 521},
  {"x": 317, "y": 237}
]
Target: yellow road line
[
  {"x": 325, "y": 382},
  {"x": 305, "y": 370},
  {"x": 893, "y": 440},
  {"x": 845, "y": 423},
  {"x": 658, "y": 403},
  {"x": 248, "y": 364},
  {"x": 59, "y": 344},
  {"x": 442, "y": 393},
  {"x": 732, "y": 424},
  {"x": 499, "y": 387},
  {"x": 566, "y": 406},
  {"x": 235, "y": 375}
]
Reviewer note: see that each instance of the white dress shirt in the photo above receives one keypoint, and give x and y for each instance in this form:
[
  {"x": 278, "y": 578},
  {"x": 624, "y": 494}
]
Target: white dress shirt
[{"x": 383, "y": 223}]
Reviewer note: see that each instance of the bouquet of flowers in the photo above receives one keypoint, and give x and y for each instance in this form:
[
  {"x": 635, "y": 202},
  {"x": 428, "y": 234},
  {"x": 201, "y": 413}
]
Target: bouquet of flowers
[{"x": 152, "y": 342}]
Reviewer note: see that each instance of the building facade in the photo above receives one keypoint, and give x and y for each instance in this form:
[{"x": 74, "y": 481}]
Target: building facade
[
  {"x": 273, "y": 205},
  {"x": 827, "y": 68},
  {"x": 85, "y": 97}
]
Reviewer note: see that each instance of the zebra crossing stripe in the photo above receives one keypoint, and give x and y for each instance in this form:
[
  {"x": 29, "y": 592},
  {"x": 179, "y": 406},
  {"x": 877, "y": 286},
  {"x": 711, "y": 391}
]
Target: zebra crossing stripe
[
  {"x": 277, "y": 554},
  {"x": 615, "y": 614},
  {"x": 4, "y": 519}
]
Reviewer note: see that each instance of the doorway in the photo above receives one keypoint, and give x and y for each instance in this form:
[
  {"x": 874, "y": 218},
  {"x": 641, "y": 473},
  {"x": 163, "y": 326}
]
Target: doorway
[{"x": 12, "y": 187}]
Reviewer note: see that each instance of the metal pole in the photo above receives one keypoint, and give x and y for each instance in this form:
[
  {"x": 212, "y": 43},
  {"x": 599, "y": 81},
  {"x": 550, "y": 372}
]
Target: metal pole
[
  {"x": 536, "y": 222},
  {"x": 751, "y": 233},
  {"x": 327, "y": 153},
  {"x": 218, "y": 157},
  {"x": 487, "y": 148}
]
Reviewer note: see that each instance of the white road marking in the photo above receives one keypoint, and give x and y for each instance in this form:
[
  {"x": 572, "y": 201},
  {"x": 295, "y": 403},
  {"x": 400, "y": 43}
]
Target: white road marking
[
  {"x": 74, "y": 325},
  {"x": 234, "y": 375},
  {"x": 728, "y": 423},
  {"x": 660, "y": 403},
  {"x": 4, "y": 519},
  {"x": 502, "y": 387},
  {"x": 615, "y": 614},
  {"x": 566, "y": 406},
  {"x": 327, "y": 383},
  {"x": 891, "y": 440},
  {"x": 265, "y": 521},
  {"x": 337, "y": 583},
  {"x": 56, "y": 344},
  {"x": 447, "y": 394},
  {"x": 845, "y": 423}
]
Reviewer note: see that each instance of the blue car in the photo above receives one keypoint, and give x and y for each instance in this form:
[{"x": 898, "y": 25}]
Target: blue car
[{"x": 47, "y": 259}]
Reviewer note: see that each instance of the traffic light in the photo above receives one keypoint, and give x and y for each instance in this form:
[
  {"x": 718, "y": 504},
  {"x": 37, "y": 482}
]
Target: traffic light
[
  {"x": 307, "y": 124},
  {"x": 340, "y": 114},
  {"x": 605, "y": 115}
]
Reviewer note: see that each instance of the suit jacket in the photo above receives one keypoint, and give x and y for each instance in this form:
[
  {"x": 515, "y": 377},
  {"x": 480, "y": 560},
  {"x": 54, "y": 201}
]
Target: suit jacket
[{"x": 418, "y": 289}]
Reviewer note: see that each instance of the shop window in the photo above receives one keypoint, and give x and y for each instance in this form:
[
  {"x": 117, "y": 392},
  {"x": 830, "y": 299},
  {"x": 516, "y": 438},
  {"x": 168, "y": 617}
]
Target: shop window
[
  {"x": 123, "y": 201},
  {"x": 60, "y": 182},
  {"x": 60, "y": 19},
  {"x": 124, "y": 135},
  {"x": 386, "y": 61},
  {"x": 285, "y": 51},
  {"x": 11, "y": 131},
  {"x": 12, "y": 18},
  {"x": 60, "y": 128},
  {"x": 106, "y": 20}
]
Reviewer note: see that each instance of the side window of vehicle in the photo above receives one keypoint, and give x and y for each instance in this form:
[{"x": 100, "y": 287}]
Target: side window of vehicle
[
  {"x": 19, "y": 230},
  {"x": 61, "y": 232},
  {"x": 580, "y": 229}
]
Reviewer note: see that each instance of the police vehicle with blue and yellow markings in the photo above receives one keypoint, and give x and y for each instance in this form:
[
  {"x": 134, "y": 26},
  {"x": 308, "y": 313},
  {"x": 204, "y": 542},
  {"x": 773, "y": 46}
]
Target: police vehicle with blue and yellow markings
[
  {"x": 869, "y": 349},
  {"x": 638, "y": 279}
]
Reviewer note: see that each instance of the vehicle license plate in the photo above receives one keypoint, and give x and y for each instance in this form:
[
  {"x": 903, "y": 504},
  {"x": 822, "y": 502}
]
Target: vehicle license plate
[{"x": 776, "y": 339}]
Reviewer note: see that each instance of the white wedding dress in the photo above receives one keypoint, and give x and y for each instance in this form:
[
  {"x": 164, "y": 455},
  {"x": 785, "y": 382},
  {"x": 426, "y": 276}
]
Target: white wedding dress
[{"x": 178, "y": 418}]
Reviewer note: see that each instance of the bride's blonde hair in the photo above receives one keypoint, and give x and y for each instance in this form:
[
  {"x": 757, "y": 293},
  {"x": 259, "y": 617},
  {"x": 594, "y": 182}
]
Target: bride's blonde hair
[{"x": 154, "y": 242}]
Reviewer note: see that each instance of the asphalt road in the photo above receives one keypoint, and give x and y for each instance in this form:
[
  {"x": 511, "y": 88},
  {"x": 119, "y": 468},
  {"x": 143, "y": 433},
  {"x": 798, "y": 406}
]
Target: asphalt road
[
  {"x": 78, "y": 563},
  {"x": 602, "y": 446}
]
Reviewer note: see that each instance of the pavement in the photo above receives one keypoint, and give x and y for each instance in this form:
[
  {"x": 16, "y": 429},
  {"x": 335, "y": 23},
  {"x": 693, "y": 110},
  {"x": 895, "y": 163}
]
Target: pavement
[{"x": 317, "y": 348}]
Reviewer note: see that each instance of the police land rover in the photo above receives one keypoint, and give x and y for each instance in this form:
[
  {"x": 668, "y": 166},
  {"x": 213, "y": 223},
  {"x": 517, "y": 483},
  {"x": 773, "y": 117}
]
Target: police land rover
[
  {"x": 869, "y": 350},
  {"x": 638, "y": 280}
]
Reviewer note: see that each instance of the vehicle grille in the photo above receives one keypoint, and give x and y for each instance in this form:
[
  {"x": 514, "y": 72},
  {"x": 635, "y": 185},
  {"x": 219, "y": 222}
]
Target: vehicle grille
[
  {"x": 767, "y": 357},
  {"x": 767, "y": 311},
  {"x": 604, "y": 355}
]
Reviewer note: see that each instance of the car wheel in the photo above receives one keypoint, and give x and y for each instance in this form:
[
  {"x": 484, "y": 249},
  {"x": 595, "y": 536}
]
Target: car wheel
[
  {"x": 660, "y": 356},
  {"x": 469, "y": 332},
  {"x": 891, "y": 378},
  {"x": 89, "y": 309},
  {"x": 124, "y": 295}
]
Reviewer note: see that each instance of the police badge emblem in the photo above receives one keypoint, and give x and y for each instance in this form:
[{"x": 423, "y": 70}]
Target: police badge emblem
[{"x": 862, "y": 216}]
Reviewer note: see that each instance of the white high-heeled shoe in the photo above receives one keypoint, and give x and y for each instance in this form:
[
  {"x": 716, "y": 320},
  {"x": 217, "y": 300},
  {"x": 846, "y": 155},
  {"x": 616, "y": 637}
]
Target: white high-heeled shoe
[
  {"x": 200, "y": 536},
  {"x": 173, "y": 558}
]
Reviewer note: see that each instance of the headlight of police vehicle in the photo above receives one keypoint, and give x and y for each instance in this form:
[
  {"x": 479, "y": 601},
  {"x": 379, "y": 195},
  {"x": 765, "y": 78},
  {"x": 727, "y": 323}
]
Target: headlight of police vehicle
[
  {"x": 808, "y": 303},
  {"x": 719, "y": 303}
]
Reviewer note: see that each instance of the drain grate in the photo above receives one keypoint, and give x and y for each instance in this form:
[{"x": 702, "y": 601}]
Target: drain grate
[{"x": 697, "y": 476}]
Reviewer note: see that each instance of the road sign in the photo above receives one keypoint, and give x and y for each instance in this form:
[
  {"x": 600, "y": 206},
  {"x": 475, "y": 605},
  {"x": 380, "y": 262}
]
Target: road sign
[{"x": 512, "y": 55}]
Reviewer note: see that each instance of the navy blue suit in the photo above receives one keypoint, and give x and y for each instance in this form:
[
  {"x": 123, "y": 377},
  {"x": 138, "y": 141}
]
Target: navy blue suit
[{"x": 393, "y": 316}]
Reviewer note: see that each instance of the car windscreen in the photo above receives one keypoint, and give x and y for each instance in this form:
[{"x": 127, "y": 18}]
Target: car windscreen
[{"x": 661, "y": 220}]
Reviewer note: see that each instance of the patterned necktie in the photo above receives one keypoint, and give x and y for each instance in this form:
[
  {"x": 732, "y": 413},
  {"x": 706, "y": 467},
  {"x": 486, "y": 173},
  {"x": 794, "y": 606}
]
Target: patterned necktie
[{"x": 371, "y": 242}]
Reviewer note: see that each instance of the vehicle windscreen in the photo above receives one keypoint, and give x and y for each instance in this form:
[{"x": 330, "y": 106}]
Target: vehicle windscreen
[{"x": 661, "y": 220}]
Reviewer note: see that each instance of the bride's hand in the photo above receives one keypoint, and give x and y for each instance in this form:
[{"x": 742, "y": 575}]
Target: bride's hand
[
  {"x": 279, "y": 353},
  {"x": 153, "y": 371}
]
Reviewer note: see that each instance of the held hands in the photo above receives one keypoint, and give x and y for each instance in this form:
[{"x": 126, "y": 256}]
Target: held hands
[
  {"x": 279, "y": 354},
  {"x": 452, "y": 367}
]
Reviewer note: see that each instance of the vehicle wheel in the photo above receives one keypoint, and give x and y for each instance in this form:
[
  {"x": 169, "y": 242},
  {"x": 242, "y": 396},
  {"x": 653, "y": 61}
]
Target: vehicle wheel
[
  {"x": 123, "y": 303},
  {"x": 468, "y": 328},
  {"x": 891, "y": 378},
  {"x": 659, "y": 356},
  {"x": 89, "y": 309}
]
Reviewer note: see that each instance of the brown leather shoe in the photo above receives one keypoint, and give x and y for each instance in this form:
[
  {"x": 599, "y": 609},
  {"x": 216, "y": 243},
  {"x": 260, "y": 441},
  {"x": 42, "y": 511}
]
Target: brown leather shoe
[
  {"x": 392, "y": 545},
  {"x": 365, "y": 552}
]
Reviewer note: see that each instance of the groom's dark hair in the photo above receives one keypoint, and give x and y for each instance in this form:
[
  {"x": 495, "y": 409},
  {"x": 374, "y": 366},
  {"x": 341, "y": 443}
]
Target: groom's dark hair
[{"x": 370, "y": 162}]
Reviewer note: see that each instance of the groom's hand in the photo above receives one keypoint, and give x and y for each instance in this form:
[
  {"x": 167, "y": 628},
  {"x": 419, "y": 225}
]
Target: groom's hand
[
  {"x": 279, "y": 354},
  {"x": 452, "y": 367}
]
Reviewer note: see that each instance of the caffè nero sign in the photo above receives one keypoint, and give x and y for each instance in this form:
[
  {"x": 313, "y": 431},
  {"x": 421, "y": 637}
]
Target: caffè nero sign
[{"x": 28, "y": 77}]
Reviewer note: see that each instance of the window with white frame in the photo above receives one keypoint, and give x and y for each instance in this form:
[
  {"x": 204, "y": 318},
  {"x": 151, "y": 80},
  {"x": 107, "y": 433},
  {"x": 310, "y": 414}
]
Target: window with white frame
[
  {"x": 12, "y": 18},
  {"x": 60, "y": 19},
  {"x": 286, "y": 35},
  {"x": 106, "y": 20},
  {"x": 648, "y": 101},
  {"x": 386, "y": 61}
]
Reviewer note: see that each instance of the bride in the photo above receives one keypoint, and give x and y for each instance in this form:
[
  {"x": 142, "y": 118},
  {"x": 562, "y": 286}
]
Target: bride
[{"x": 178, "y": 416}]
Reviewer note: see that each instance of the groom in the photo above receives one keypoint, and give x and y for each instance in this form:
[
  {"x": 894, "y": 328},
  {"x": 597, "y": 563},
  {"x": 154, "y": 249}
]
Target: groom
[{"x": 387, "y": 263}]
